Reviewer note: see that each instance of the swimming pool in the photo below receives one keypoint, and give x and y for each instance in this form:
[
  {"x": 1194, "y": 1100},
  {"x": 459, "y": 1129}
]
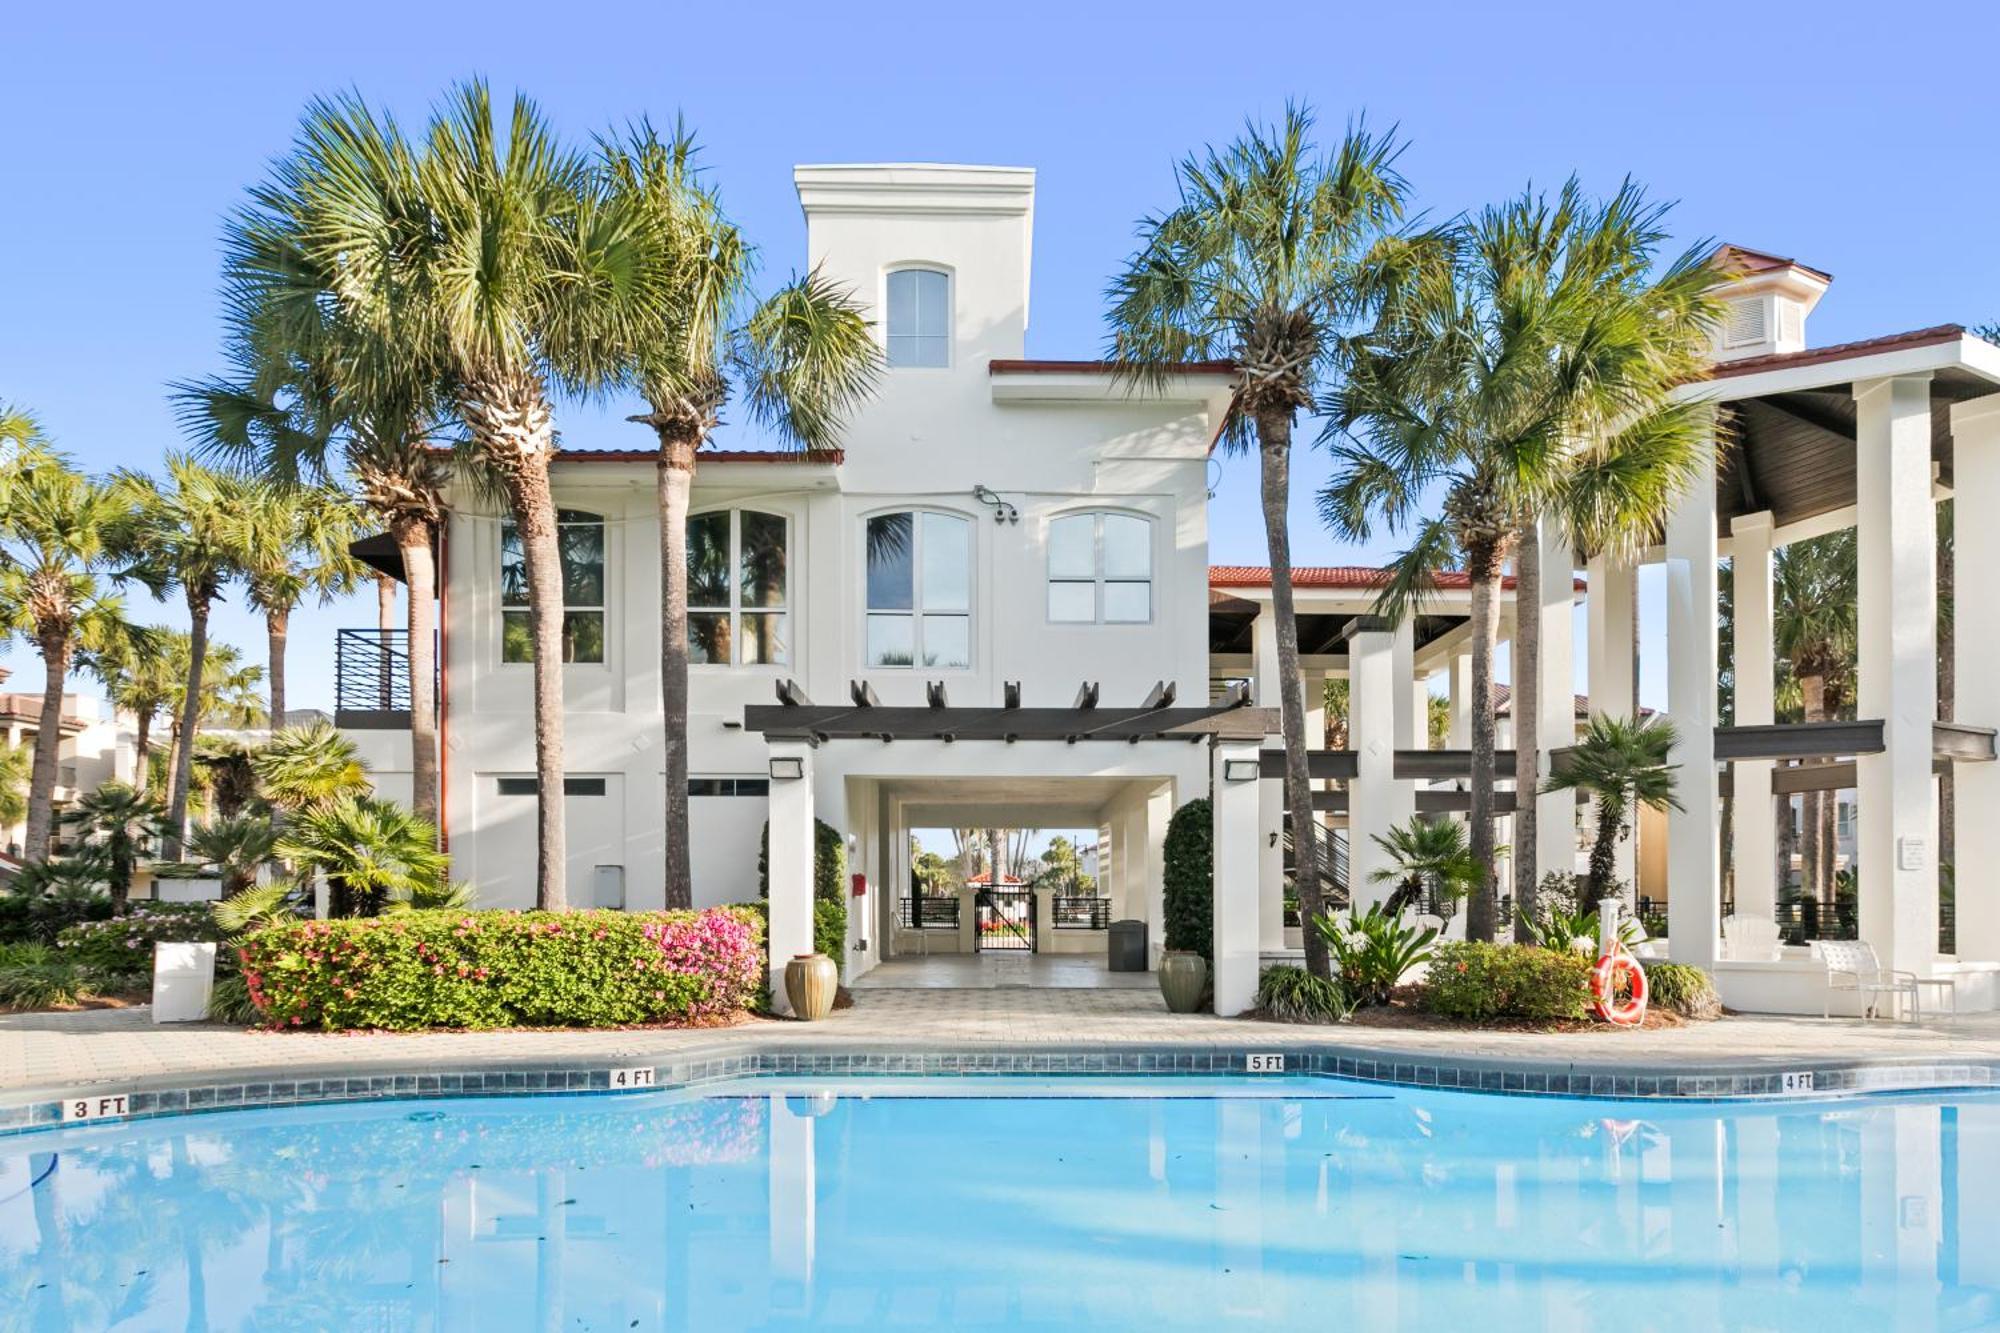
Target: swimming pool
[{"x": 1004, "y": 1202}]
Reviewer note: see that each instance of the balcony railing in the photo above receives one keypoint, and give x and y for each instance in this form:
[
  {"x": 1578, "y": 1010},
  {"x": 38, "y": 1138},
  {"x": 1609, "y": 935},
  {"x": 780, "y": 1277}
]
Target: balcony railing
[
  {"x": 1081, "y": 912},
  {"x": 371, "y": 675}
]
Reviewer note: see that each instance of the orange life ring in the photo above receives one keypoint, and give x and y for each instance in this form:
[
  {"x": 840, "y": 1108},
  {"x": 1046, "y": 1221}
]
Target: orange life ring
[{"x": 1630, "y": 1011}]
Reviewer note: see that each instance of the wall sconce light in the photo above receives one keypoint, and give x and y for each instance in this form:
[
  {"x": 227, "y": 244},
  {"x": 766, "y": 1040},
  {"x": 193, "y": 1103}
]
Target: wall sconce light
[
  {"x": 787, "y": 768},
  {"x": 1241, "y": 770}
]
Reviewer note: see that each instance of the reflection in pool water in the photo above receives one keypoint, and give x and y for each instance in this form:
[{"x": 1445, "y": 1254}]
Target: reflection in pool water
[{"x": 1159, "y": 1204}]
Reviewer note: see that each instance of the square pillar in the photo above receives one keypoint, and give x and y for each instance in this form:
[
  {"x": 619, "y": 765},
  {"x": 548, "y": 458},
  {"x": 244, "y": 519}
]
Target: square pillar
[
  {"x": 1264, "y": 658},
  {"x": 1896, "y": 676},
  {"x": 1377, "y": 715},
  {"x": 1458, "y": 689},
  {"x": 1610, "y": 623},
  {"x": 1694, "y": 842},
  {"x": 1409, "y": 715},
  {"x": 790, "y": 862},
  {"x": 1754, "y": 857},
  {"x": 1555, "y": 720},
  {"x": 1234, "y": 808},
  {"x": 1975, "y": 476}
]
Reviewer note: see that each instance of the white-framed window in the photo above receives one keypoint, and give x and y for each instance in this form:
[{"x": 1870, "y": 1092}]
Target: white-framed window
[
  {"x": 1100, "y": 569},
  {"x": 919, "y": 323},
  {"x": 738, "y": 577},
  {"x": 919, "y": 597},
  {"x": 580, "y": 540}
]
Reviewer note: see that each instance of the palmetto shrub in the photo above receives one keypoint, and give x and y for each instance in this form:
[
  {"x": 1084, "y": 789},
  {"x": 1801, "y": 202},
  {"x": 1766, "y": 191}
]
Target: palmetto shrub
[
  {"x": 35, "y": 976},
  {"x": 457, "y": 969},
  {"x": 1472, "y": 981}
]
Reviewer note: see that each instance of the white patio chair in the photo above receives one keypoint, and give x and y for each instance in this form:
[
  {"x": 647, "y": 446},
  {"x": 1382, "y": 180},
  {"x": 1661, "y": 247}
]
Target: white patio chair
[
  {"x": 1851, "y": 965},
  {"x": 1751, "y": 939}
]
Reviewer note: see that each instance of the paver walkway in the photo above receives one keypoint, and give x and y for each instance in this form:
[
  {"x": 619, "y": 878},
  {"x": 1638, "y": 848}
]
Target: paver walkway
[{"x": 45, "y": 1052}]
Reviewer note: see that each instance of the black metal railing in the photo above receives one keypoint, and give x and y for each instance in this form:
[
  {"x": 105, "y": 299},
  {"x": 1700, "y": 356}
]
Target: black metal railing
[
  {"x": 926, "y": 911},
  {"x": 1080, "y": 912},
  {"x": 1004, "y": 920},
  {"x": 371, "y": 678}
]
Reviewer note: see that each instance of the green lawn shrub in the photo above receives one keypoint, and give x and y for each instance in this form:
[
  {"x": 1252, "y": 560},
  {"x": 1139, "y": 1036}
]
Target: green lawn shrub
[
  {"x": 1189, "y": 879},
  {"x": 1472, "y": 982},
  {"x": 458, "y": 969}
]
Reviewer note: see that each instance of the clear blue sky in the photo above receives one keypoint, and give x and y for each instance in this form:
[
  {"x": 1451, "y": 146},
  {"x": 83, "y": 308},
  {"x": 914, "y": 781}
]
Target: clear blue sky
[{"x": 1860, "y": 140}]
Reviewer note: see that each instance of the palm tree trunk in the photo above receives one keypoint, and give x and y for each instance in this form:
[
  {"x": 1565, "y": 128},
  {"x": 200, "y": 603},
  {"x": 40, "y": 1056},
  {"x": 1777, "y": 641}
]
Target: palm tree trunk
[
  {"x": 676, "y": 478},
  {"x": 535, "y": 520},
  {"x": 1815, "y": 861},
  {"x": 1481, "y": 909},
  {"x": 54, "y": 645},
  {"x": 385, "y": 600},
  {"x": 1603, "y": 852},
  {"x": 413, "y": 543},
  {"x": 183, "y": 775},
  {"x": 1274, "y": 437},
  {"x": 142, "y": 750},
  {"x": 1527, "y": 670},
  {"x": 277, "y": 625}
]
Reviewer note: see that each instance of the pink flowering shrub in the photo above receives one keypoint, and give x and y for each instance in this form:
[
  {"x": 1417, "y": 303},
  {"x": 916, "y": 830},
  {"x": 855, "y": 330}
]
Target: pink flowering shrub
[
  {"x": 123, "y": 945},
  {"x": 459, "y": 969}
]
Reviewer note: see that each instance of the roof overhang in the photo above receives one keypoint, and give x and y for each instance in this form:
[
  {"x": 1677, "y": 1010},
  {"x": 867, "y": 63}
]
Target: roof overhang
[{"x": 1018, "y": 381}]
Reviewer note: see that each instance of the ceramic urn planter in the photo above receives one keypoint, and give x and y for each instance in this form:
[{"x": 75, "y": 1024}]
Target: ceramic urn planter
[
  {"x": 1183, "y": 976},
  {"x": 811, "y": 982}
]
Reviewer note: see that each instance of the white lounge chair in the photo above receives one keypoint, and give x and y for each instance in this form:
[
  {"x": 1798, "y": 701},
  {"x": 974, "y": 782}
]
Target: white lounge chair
[
  {"x": 1751, "y": 939},
  {"x": 1852, "y": 965}
]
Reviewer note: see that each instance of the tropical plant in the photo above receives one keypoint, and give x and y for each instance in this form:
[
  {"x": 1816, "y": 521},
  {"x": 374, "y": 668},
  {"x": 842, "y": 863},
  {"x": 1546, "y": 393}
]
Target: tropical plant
[
  {"x": 1575, "y": 929},
  {"x": 1520, "y": 378},
  {"x": 224, "y": 775},
  {"x": 49, "y": 896},
  {"x": 456, "y": 896},
  {"x": 35, "y": 976},
  {"x": 16, "y": 763},
  {"x": 188, "y": 533},
  {"x": 308, "y": 766},
  {"x": 55, "y": 543},
  {"x": 1471, "y": 981},
  {"x": 1372, "y": 950},
  {"x": 1815, "y": 591},
  {"x": 143, "y": 677},
  {"x": 119, "y": 823},
  {"x": 1271, "y": 254},
  {"x": 1425, "y": 854},
  {"x": 1684, "y": 989},
  {"x": 256, "y": 907},
  {"x": 1188, "y": 879},
  {"x": 803, "y": 359},
  {"x": 367, "y": 848},
  {"x": 1621, "y": 764},
  {"x": 295, "y": 546},
  {"x": 237, "y": 847},
  {"x": 1294, "y": 995},
  {"x": 229, "y": 697}
]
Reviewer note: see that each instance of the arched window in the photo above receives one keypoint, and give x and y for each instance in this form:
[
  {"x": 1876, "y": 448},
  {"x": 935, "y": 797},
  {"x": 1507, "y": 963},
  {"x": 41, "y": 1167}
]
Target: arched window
[
  {"x": 919, "y": 318},
  {"x": 1100, "y": 569},
  {"x": 737, "y": 589},
  {"x": 580, "y": 539},
  {"x": 919, "y": 590}
]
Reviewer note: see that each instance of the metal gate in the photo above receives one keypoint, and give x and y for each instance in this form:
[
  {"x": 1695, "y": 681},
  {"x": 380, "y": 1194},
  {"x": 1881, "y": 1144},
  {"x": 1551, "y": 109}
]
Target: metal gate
[{"x": 1004, "y": 920}]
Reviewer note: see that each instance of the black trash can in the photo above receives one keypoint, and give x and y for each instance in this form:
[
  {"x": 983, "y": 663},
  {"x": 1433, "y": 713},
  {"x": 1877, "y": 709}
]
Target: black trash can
[{"x": 1128, "y": 946}]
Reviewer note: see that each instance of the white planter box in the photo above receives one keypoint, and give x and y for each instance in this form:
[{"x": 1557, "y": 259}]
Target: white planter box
[
  {"x": 186, "y": 888},
  {"x": 183, "y": 978}
]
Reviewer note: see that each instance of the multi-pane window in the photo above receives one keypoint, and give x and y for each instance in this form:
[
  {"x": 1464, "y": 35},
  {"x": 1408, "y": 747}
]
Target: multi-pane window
[
  {"x": 919, "y": 590},
  {"x": 736, "y": 574},
  {"x": 729, "y": 786},
  {"x": 919, "y": 318},
  {"x": 1100, "y": 569},
  {"x": 580, "y": 540}
]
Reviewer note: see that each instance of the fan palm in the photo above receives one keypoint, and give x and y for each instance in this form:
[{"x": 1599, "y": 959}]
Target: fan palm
[
  {"x": 23, "y": 444},
  {"x": 1523, "y": 376},
  {"x": 803, "y": 359},
  {"x": 223, "y": 770},
  {"x": 228, "y": 696},
  {"x": 141, "y": 677},
  {"x": 1621, "y": 765},
  {"x": 1424, "y": 854},
  {"x": 54, "y": 546},
  {"x": 188, "y": 534},
  {"x": 1271, "y": 253},
  {"x": 368, "y": 849},
  {"x": 238, "y": 847},
  {"x": 295, "y": 546},
  {"x": 304, "y": 767},
  {"x": 117, "y": 822},
  {"x": 1814, "y": 595}
]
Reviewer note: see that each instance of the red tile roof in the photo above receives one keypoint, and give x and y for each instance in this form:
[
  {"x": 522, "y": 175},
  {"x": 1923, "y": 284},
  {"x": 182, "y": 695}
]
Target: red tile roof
[
  {"x": 1001, "y": 366},
  {"x": 986, "y": 877},
  {"x": 1741, "y": 259},
  {"x": 1360, "y": 577},
  {"x": 1812, "y": 356}
]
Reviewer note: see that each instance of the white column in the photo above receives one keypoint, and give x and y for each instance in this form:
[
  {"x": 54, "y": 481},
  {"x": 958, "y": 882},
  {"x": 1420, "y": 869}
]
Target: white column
[
  {"x": 1458, "y": 687},
  {"x": 1271, "y": 826},
  {"x": 1151, "y": 856},
  {"x": 1377, "y": 706},
  {"x": 794, "y": 1203},
  {"x": 791, "y": 862},
  {"x": 1235, "y": 892},
  {"x": 1896, "y": 680},
  {"x": 1610, "y": 614},
  {"x": 1555, "y": 813},
  {"x": 1694, "y": 844},
  {"x": 1754, "y": 827},
  {"x": 1409, "y": 720},
  {"x": 1975, "y": 478},
  {"x": 1264, "y": 657}
]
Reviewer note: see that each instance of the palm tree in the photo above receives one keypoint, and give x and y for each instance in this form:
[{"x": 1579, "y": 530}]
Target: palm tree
[
  {"x": 117, "y": 821},
  {"x": 54, "y": 544},
  {"x": 304, "y": 767},
  {"x": 1814, "y": 591},
  {"x": 368, "y": 849},
  {"x": 188, "y": 534},
  {"x": 142, "y": 677},
  {"x": 229, "y": 695},
  {"x": 1425, "y": 853},
  {"x": 1523, "y": 376},
  {"x": 237, "y": 846},
  {"x": 16, "y": 764},
  {"x": 803, "y": 359},
  {"x": 295, "y": 546},
  {"x": 1272, "y": 252},
  {"x": 1621, "y": 765}
]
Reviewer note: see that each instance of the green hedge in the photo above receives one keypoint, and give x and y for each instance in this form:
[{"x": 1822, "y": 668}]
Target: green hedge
[
  {"x": 1189, "y": 879},
  {"x": 1474, "y": 981},
  {"x": 123, "y": 945},
  {"x": 457, "y": 969},
  {"x": 829, "y": 887}
]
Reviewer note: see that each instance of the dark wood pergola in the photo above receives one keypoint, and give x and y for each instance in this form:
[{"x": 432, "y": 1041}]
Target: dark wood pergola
[{"x": 796, "y": 718}]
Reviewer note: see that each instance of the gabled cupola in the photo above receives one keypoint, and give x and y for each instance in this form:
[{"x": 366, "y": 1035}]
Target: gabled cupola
[{"x": 1765, "y": 303}]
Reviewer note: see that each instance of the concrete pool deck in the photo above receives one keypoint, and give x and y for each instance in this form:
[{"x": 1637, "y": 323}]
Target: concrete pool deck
[{"x": 45, "y": 1056}]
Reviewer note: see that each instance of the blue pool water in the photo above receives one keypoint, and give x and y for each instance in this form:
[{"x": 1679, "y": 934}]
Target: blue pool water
[{"x": 1139, "y": 1204}]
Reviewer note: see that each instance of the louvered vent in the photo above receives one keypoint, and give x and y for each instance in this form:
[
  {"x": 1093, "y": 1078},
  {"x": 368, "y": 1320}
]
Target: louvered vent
[{"x": 1746, "y": 323}]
